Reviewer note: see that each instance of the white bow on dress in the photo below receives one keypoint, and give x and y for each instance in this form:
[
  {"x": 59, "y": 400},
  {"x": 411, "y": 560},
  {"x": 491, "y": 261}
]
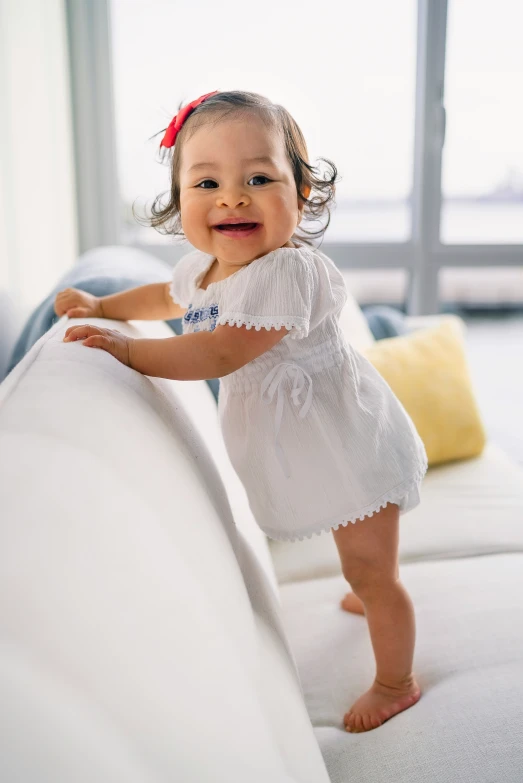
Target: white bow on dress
[{"x": 274, "y": 381}]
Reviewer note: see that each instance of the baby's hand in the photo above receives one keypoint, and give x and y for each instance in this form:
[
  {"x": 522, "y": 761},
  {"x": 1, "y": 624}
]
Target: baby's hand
[
  {"x": 108, "y": 340},
  {"x": 77, "y": 304}
]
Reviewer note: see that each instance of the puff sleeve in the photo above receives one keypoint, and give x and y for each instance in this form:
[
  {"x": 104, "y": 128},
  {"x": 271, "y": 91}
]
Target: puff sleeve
[
  {"x": 274, "y": 291},
  {"x": 183, "y": 281}
]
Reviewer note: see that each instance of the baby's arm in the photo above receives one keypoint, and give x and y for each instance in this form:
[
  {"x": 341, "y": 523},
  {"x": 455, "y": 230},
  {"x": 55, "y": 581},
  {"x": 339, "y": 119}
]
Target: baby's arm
[
  {"x": 146, "y": 303},
  {"x": 202, "y": 355},
  {"x": 151, "y": 302}
]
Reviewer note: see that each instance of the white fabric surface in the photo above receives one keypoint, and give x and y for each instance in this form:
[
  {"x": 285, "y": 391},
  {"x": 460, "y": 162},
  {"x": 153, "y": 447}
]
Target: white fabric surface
[
  {"x": 200, "y": 405},
  {"x": 349, "y": 447},
  {"x": 468, "y": 725},
  {"x": 469, "y": 507},
  {"x": 50, "y": 732},
  {"x": 124, "y": 578}
]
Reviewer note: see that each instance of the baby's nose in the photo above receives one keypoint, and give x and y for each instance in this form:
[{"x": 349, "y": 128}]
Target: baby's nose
[{"x": 232, "y": 199}]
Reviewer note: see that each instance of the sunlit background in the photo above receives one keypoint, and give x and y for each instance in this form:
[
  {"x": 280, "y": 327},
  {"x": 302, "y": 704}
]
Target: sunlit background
[
  {"x": 418, "y": 103},
  {"x": 349, "y": 81},
  {"x": 419, "y": 109}
]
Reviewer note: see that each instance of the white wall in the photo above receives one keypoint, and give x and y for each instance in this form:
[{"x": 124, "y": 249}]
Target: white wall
[{"x": 38, "y": 235}]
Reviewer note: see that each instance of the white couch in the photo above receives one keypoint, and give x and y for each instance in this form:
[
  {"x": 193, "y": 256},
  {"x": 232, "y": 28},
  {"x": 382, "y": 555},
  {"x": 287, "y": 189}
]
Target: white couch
[{"x": 151, "y": 633}]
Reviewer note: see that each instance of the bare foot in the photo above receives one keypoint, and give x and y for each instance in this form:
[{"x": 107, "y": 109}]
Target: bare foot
[
  {"x": 351, "y": 603},
  {"x": 380, "y": 703}
]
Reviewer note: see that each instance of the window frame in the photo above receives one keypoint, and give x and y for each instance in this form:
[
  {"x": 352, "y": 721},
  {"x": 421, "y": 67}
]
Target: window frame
[{"x": 423, "y": 255}]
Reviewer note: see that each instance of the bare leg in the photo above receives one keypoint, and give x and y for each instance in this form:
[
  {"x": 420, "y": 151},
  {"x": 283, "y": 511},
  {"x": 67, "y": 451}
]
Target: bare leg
[{"x": 368, "y": 551}]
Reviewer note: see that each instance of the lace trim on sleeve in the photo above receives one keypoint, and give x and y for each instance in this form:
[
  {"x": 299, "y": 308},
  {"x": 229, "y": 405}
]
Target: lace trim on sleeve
[{"x": 299, "y": 326}]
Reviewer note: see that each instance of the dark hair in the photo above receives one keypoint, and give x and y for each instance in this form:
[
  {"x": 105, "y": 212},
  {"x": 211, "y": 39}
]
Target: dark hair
[{"x": 222, "y": 105}]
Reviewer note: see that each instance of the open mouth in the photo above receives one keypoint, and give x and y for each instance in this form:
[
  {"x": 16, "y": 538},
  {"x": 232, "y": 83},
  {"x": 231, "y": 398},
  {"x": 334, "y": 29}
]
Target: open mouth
[
  {"x": 236, "y": 226},
  {"x": 237, "y": 229}
]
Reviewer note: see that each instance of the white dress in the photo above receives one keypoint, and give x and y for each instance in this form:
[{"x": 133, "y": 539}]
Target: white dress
[{"x": 315, "y": 434}]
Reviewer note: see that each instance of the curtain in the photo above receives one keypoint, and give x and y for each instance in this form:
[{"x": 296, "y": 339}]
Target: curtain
[{"x": 38, "y": 232}]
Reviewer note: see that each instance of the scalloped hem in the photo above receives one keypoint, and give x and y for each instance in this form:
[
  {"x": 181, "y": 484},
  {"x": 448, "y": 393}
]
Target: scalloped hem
[
  {"x": 299, "y": 325},
  {"x": 393, "y": 496}
]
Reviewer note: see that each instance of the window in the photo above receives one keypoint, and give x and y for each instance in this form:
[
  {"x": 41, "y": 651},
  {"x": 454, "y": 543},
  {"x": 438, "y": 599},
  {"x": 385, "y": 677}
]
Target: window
[
  {"x": 365, "y": 81},
  {"x": 482, "y": 174},
  {"x": 346, "y": 72}
]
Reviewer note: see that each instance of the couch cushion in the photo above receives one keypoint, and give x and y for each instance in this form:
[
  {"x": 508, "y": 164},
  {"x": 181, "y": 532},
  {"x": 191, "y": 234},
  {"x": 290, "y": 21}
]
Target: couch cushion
[
  {"x": 52, "y": 733},
  {"x": 123, "y": 574},
  {"x": 385, "y": 321},
  {"x": 468, "y": 661},
  {"x": 199, "y": 403},
  {"x": 354, "y": 325},
  {"x": 469, "y": 507},
  {"x": 428, "y": 372}
]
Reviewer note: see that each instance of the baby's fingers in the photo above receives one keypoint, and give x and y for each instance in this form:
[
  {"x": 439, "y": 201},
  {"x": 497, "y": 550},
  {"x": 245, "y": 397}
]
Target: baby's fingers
[
  {"x": 60, "y": 307},
  {"x": 79, "y": 332},
  {"x": 97, "y": 341},
  {"x": 77, "y": 312},
  {"x": 69, "y": 333}
]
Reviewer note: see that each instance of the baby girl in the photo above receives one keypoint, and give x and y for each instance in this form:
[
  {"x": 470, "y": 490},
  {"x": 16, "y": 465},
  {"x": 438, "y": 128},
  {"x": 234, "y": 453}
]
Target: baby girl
[{"x": 315, "y": 434}]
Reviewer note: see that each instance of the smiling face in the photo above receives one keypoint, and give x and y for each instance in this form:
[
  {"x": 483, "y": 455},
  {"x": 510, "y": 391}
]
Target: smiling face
[{"x": 237, "y": 170}]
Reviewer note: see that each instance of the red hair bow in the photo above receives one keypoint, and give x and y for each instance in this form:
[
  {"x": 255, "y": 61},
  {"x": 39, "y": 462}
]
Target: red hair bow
[{"x": 177, "y": 121}]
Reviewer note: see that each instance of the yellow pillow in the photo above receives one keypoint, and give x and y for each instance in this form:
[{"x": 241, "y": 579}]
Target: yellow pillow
[{"x": 427, "y": 371}]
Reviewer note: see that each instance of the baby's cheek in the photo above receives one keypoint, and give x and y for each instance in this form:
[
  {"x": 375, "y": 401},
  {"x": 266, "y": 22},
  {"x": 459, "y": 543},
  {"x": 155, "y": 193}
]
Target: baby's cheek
[
  {"x": 285, "y": 212},
  {"x": 288, "y": 200},
  {"x": 193, "y": 214},
  {"x": 190, "y": 218}
]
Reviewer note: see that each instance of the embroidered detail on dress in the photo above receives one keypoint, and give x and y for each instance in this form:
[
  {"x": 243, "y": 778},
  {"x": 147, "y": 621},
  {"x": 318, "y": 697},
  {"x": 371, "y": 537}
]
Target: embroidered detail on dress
[
  {"x": 299, "y": 325},
  {"x": 394, "y": 496},
  {"x": 201, "y": 314}
]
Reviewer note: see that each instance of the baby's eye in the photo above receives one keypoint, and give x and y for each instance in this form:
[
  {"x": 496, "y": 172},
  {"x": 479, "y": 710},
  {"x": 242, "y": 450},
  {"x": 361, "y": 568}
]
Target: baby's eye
[
  {"x": 205, "y": 186},
  {"x": 259, "y": 176}
]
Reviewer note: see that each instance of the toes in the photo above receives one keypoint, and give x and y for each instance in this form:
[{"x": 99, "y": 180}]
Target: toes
[
  {"x": 369, "y": 722},
  {"x": 365, "y": 722},
  {"x": 353, "y": 722},
  {"x": 375, "y": 722},
  {"x": 348, "y": 721},
  {"x": 356, "y": 723}
]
